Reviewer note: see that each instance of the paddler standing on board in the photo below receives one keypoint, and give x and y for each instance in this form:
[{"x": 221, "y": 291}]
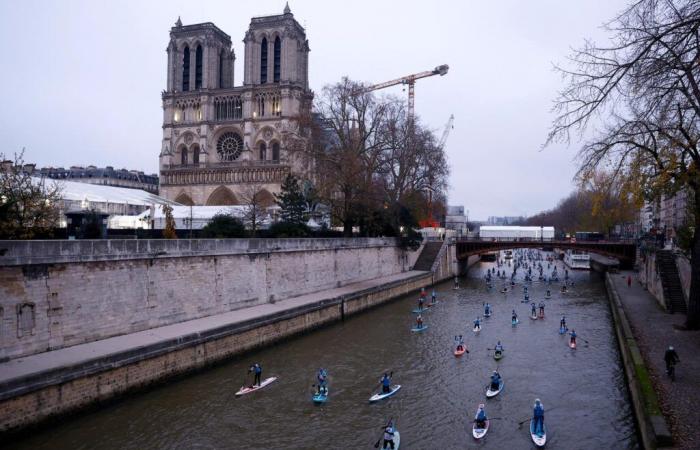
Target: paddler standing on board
[
  {"x": 481, "y": 418},
  {"x": 257, "y": 370},
  {"x": 322, "y": 377},
  {"x": 433, "y": 297},
  {"x": 541, "y": 309},
  {"x": 389, "y": 436},
  {"x": 562, "y": 323},
  {"x": 423, "y": 295},
  {"x": 477, "y": 324},
  {"x": 534, "y": 310},
  {"x": 538, "y": 415},
  {"x": 419, "y": 322},
  {"x": 495, "y": 380},
  {"x": 386, "y": 383},
  {"x": 514, "y": 316},
  {"x": 573, "y": 337}
]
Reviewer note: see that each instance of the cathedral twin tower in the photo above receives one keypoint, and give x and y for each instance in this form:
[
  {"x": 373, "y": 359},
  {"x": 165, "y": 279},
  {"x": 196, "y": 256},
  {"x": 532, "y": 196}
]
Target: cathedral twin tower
[{"x": 219, "y": 139}]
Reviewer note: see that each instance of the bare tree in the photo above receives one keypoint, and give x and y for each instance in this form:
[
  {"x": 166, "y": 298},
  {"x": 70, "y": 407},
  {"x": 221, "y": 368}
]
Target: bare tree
[
  {"x": 29, "y": 205},
  {"x": 645, "y": 89},
  {"x": 256, "y": 200}
]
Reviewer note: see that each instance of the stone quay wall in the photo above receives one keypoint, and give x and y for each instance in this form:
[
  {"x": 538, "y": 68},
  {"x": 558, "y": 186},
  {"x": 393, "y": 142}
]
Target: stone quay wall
[
  {"x": 49, "y": 395},
  {"x": 55, "y": 294}
]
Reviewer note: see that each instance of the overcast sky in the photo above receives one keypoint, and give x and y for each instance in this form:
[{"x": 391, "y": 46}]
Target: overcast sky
[{"x": 82, "y": 79}]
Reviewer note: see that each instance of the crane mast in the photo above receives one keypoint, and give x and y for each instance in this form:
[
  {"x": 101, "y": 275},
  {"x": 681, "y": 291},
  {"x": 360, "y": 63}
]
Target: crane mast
[{"x": 410, "y": 80}]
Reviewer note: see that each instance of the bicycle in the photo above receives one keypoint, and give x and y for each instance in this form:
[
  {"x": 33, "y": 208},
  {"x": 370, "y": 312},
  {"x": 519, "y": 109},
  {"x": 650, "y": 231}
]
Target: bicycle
[{"x": 671, "y": 371}]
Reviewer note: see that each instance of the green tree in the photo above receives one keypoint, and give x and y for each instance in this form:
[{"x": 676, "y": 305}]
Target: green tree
[
  {"x": 169, "y": 231},
  {"x": 292, "y": 201},
  {"x": 29, "y": 206},
  {"x": 224, "y": 226}
]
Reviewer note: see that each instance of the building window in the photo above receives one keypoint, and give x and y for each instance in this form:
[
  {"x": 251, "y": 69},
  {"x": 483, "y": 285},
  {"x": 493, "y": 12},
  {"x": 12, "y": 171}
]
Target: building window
[
  {"x": 260, "y": 105},
  {"x": 263, "y": 61},
  {"x": 186, "y": 70},
  {"x": 183, "y": 156},
  {"x": 263, "y": 151},
  {"x": 228, "y": 108},
  {"x": 276, "y": 105},
  {"x": 275, "y": 151},
  {"x": 195, "y": 154},
  {"x": 198, "y": 68},
  {"x": 229, "y": 146},
  {"x": 277, "y": 53}
]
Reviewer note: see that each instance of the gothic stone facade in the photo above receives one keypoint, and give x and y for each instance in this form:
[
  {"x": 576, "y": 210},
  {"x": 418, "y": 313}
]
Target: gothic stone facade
[{"x": 220, "y": 141}]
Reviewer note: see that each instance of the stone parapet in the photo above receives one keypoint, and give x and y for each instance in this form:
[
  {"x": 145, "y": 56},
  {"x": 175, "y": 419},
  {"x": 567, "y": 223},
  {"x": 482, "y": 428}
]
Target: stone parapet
[{"x": 19, "y": 253}]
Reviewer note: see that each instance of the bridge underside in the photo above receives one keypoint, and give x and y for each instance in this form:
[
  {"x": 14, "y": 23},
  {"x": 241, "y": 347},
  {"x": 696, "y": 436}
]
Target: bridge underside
[{"x": 626, "y": 253}]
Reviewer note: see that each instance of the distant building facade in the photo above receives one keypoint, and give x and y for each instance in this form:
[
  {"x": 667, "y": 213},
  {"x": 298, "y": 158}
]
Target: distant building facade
[
  {"x": 105, "y": 176},
  {"x": 219, "y": 140},
  {"x": 455, "y": 219}
]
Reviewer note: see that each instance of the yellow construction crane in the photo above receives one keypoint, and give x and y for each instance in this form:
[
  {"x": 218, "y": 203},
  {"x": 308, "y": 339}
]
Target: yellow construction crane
[{"x": 410, "y": 80}]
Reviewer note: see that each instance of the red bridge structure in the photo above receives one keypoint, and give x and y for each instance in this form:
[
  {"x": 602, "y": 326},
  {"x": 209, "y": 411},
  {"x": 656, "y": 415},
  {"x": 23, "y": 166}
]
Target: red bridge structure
[{"x": 624, "y": 251}]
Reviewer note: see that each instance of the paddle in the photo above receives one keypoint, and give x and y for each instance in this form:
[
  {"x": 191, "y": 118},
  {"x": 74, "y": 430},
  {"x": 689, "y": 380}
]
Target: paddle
[
  {"x": 376, "y": 445},
  {"x": 520, "y": 424}
]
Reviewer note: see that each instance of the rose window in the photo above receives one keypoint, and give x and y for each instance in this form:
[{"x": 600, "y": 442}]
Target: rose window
[{"x": 229, "y": 147}]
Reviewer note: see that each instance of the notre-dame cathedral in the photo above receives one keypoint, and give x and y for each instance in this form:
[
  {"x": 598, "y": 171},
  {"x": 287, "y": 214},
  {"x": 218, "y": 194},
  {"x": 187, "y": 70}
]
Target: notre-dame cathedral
[{"x": 218, "y": 138}]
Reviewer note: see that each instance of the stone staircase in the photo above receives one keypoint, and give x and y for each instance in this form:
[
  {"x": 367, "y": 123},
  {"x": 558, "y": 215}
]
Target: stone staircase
[
  {"x": 427, "y": 256},
  {"x": 671, "y": 281}
]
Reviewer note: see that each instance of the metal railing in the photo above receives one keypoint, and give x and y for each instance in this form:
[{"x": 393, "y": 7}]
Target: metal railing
[{"x": 223, "y": 165}]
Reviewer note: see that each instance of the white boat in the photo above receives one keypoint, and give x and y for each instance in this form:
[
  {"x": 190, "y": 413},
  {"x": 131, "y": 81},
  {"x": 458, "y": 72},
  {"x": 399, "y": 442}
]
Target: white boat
[{"x": 577, "y": 259}]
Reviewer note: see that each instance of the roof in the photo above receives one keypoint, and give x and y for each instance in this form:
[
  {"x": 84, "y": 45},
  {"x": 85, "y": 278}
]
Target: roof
[
  {"x": 513, "y": 228},
  {"x": 72, "y": 190}
]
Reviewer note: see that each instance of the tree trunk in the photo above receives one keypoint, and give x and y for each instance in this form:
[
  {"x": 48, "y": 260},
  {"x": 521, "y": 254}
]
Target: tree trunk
[{"x": 692, "y": 320}]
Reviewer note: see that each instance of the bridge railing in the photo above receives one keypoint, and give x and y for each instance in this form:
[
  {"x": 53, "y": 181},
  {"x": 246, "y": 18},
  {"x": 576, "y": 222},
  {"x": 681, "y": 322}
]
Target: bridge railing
[{"x": 544, "y": 240}]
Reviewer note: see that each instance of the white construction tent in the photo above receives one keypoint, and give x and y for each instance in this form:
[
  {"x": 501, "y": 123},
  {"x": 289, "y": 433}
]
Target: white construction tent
[{"x": 503, "y": 232}]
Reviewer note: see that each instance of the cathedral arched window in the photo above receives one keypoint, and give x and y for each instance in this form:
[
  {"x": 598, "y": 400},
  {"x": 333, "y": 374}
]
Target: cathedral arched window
[
  {"x": 183, "y": 156},
  {"x": 198, "y": 68},
  {"x": 275, "y": 151},
  {"x": 263, "y": 61},
  {"x": 186, "y": 69},
  {"x": 195, "y": 154},
  {"x": 263, "y": 151},
  {"x": 277, "y": 59},
  {"x": 229, "y": 146}
]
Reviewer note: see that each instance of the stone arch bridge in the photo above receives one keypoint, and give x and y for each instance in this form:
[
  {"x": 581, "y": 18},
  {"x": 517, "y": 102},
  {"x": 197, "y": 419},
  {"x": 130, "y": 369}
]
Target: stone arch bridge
[{"x": 624, "y": 251}]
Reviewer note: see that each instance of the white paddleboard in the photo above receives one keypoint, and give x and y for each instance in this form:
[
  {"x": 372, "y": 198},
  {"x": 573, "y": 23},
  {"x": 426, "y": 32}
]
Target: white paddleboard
[
  {"x": 248, "y": 389},
  {"x": 380, "y": 396}
]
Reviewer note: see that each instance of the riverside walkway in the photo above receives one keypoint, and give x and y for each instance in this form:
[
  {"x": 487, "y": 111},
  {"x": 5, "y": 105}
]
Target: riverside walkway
[{"x": 654, "y": 330}]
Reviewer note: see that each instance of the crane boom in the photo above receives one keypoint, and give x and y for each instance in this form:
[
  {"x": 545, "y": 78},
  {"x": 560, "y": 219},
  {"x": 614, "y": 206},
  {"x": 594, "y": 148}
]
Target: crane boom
[
  {"x": 410, "y": 80},
  {"x": 448, "y": 127}
]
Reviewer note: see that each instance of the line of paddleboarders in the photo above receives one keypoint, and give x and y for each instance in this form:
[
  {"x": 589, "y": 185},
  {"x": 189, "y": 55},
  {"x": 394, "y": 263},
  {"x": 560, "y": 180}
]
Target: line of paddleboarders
[{"x": 563, "y": 328}]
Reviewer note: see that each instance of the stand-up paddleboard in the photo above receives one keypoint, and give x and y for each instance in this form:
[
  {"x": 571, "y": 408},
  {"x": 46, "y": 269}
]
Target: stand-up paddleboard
[
  {"x": 572, "y": 345},
  {"x": 477, "y": 329},
  {"x": 562, "y": 330},
  {"x": 514, "y": 322},
  {"x": 533, "y": 317},
  {"x": 488, "y": 314},
  {"x": 248, "y": 389},
  {"x": 497, "y": 355},
  {"x": 320, "y": 397},
  {"x": 477, "y": 431},
  {"x": 540, "y": 439},
  {"x": 418, "y": 330},
  {"x": 458, "y": 352},
  {"x": 491, "y": 393},
  {"x": 548, "y": 296},
  {"x": 541, "y": 315},
  {"x": 381, "y": 396},
  {"x": 419, "y": 311}
]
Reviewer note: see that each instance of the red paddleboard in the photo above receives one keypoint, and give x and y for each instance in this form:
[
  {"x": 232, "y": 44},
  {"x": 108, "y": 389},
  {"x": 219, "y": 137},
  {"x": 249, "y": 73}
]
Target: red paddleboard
[
  {"x": 572, "y": 345},
  {"x": 460, "y": 352}
]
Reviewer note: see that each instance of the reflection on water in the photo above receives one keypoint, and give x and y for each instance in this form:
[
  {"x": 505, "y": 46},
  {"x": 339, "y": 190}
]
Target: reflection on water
[{"x": 583, "y": 390}]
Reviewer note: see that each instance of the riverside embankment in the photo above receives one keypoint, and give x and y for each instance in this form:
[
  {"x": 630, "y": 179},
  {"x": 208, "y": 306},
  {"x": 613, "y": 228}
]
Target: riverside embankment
[
  {"x": 97, "y": 319},
  {"x": 584, "y": 390}
]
